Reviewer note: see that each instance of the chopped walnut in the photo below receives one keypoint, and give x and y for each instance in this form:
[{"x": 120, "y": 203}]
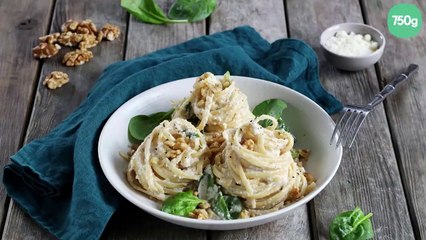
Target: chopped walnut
[
  {"x": 309, "y": 177},
  {"x": 249, "y": 144},
  {"x": 99, "y": 36},
  {"x": 56, "y": 79},
  {"x": 77, "y": 57},
  {"x": 45, "y": 50},
  {"x": 70, "y": 39},
  {"x": 199, "y": 214},
  {"x": 203, "y": 205},
  {"x": 89, "y": 41},
  {"x": 110, "y": 32},
  {"x": 86, "y": 27},
  {"x": 50, "y": 38},
  {"x": 69, "y": 26}
]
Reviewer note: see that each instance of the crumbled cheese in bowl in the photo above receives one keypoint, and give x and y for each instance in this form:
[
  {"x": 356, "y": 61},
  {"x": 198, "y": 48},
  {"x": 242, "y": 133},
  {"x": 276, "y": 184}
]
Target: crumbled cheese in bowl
[{"x": 351, "y": 44}]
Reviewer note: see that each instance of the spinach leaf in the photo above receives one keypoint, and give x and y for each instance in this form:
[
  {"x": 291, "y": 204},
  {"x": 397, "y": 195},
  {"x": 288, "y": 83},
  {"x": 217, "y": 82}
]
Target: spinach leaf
[
  {"x": 181, "y": 204},
  {"x": 182, "y": 11},
  {"x": 351, "y": 225},
  {"x": 192, "y": 10},
  {"x": 147, "y": 11},
  {"x": 142, "y": 125},
  {"x": 224, "y": 206},
  {"x": 235, "y": 206},
  {"x": 273, "y": 108}
]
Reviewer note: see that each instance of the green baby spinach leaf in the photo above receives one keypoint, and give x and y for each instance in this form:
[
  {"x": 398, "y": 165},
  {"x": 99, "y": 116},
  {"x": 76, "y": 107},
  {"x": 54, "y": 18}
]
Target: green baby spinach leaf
[
  {"x": 224, "y": 206},
  {"x": 192, "y": 10},
  {"x": 273, "y": 108},
  {"x": 351, "y": 225},
  {"x": 141, "y": 126},
  {"x": 182, "y": 11},
  {"x": 181, "y": 204}
]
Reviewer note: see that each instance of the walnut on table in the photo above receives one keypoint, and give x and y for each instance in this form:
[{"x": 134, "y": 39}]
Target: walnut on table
[
  {"x": 70, "y": 39},
  {"x": 56, "y": 79},
  {"x": 89, "y": 41},
  {"x": 45, "y": 50},
  {"x": 110, "y": 32},
  {"x": 77, "y": 57},
  {"x": 87, "y": 27},
  {"x": 69, "y": 26},
  {"x": 50, "y": 38}
]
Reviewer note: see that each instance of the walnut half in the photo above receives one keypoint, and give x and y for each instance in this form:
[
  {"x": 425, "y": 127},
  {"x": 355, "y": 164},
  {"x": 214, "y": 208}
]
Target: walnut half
[
  {"x": 110, "y": 32},
  {"x": 56, "y": 79},
  {"x": 77, "y": 57},
  {"x": 45, "y": 50}
]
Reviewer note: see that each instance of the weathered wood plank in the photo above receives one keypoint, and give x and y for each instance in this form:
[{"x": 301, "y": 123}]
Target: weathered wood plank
[
  {"x": 132, "y": 222},
  {"x": 405, "y": 108},
  {"x": 19, "y": 73},
  {"x": 51, "y": 107},
  {"x": 368, "y": 176},
  {"x": 267, "y": 17}
]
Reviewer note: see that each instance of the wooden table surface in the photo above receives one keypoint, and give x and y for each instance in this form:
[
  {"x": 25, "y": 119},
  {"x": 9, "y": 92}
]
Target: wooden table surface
[{"x": 383, "y": 173}]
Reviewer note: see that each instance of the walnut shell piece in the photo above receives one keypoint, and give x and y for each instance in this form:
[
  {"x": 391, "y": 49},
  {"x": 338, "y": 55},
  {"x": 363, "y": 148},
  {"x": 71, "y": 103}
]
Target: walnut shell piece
[
  {"x": 45, "y": 50},
  {"x": 56, "y": 79},
  {"x": 50, "y": 38},
  {"x": 110, "y": 32},
  {"x": 77, "y": 57}
]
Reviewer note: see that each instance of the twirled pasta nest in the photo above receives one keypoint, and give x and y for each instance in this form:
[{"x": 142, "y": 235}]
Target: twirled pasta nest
[
  {"x": 256, "y": 165},
  {"x": 169, "y": 159},
  {"x": 217, "y": 104}
]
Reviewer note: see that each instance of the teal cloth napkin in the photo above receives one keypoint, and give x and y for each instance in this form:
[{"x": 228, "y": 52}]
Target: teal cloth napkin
[{"x": 57, "y": 179}]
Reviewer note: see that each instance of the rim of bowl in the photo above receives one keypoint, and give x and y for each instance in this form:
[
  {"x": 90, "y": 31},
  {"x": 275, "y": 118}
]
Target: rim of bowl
[{"x": 377, "y": 52}]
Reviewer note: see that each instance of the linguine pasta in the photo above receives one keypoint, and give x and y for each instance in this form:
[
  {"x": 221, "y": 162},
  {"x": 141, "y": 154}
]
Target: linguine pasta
[{"x": 214, "y": 126}]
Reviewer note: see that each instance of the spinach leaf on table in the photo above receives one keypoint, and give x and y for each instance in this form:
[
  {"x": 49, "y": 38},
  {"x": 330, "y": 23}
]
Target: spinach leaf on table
[
  {"x": 351, "y": 225},
  {"x": 273, "y": 108},
  {"x": 141, "y": 126},
  {"x": 192, "y": 10},
  {"x": 181, "y": 204},
  {"x": 182, "y": 11}
]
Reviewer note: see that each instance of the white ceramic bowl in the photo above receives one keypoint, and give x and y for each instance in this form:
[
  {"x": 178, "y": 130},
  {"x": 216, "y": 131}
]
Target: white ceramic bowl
[
  {"x": 353, "y": 63},
  {"x": 310, "y": 124}
]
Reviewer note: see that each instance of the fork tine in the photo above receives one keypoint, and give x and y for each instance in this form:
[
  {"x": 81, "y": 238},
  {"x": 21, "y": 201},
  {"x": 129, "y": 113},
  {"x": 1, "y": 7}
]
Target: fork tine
[
  {"x": 364, "y": 116},
  {"x": 338, "y": 125},
  {"x": 351, "y": 129},
  {"x": 344, "y": 130}
]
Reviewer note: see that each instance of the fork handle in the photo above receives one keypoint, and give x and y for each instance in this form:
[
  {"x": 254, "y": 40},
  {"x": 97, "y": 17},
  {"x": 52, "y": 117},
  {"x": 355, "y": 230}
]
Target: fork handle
[{"x": 390, "y": 87}]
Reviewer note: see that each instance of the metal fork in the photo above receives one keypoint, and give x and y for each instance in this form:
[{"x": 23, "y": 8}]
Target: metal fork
[{"x": 352, "y": 116}]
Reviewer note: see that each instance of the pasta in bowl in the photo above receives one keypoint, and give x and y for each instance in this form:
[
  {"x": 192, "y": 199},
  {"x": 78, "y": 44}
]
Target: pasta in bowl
[{"x": 238, "y": 167}]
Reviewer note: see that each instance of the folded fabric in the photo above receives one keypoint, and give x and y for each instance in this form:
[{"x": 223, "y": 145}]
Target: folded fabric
[{"x": 57, "y": 179}]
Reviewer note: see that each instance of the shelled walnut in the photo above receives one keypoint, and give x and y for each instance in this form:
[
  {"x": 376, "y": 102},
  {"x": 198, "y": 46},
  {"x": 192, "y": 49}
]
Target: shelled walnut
[
  {"x": 69, "y": 26},
  {"x": 77, "y": 57},
  {"x": 45, "y": 50},
  {"x": 70, "y": 39},
  {"x": 86, "y": 27},
  {"x": 50, "y": 38},
  {"x": 56, "y": 79},
  {"x": 89, "y": 41},
  {"x": 110, "y": 32}
]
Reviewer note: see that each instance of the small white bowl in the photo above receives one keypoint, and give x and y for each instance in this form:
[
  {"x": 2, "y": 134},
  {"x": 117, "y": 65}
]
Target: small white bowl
[
  {"x": 310, "y": 124},
  {"x": 351, "y": 63}
]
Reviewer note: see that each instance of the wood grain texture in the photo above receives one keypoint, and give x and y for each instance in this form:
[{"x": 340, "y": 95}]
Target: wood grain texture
[
  {"x": 267, "y": 17},
  {"x": 132, "y": 222},
  {"x": 18, "y": 73},
  {"x": 368, "y": 176},
  {"x": 51, "y": 107},
  {"x": 406, "y": 107}
]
